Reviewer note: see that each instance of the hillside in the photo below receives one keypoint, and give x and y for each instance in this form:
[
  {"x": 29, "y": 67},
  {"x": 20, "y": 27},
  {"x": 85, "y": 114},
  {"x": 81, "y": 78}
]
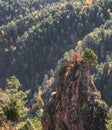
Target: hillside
[
  {"x": 17, "y": 9},
  {"x": 52, "y": 32},
  {"x": 36, "y": 38},
  {"x": 100, "y": 41}
]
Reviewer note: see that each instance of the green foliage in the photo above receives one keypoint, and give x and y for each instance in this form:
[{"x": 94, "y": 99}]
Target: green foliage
[
  {"x": 13, "y": 105},
  {"x": 28, "y": 125},
  {"x": 13, "y": 83},
  {"x": 38, "y": 108},
  {"x": 109, "y": 120},
  {"x": 96, "y": 115},
  {"x": 44, "y": 35},
  {"x": 89, "y": 58},
  {"x": 101, "y": 115},
  {"x": 37, "y": 123},
  {"x": 100, "y": 41},
  {"x": 13, "y": 89},
  {"x": 32, "y": 41},
  {"x": 107, "y": 24},
  {"x": 12, "y": 110}
]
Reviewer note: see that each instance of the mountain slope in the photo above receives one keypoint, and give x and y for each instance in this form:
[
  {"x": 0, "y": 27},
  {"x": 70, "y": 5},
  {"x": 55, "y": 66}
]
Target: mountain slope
[
  {"x": 100, "y": 41},
  {"x": 36, "y": 42}
]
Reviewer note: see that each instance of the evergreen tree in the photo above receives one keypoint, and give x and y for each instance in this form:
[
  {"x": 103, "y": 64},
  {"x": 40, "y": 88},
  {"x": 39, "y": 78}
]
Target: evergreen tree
[
  {"x": 14, "y": 91},
  {"x": 89, "y": 58},
  {"x": 13, "y": 111},
  {"x": 15, "y": 108}
]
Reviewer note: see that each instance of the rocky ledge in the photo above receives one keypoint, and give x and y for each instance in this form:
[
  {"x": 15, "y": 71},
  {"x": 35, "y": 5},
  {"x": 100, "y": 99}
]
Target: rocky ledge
[{"x": 76, "y": 104}]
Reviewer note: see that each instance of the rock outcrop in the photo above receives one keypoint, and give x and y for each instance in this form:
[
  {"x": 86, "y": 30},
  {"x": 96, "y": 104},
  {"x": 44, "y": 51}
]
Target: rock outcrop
[{"x": 76, "y": 104}]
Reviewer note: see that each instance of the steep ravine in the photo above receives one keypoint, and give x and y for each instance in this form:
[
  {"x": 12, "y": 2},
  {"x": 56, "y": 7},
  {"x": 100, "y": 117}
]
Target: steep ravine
[{"x": 76, "y": 104}]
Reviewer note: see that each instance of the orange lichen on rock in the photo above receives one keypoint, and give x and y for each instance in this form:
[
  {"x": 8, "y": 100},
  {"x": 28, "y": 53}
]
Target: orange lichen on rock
[{"x": 75, "y": 57}]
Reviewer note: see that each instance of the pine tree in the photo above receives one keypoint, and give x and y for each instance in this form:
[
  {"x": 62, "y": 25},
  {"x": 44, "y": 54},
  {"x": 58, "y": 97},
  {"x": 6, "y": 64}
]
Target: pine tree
[
  {"x": 12, "y": 110},
  {"x": 89, "y": 58}
]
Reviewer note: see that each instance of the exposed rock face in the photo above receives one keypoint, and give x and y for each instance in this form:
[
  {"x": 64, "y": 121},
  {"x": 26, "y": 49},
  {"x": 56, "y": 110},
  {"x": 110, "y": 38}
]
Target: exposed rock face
[{"x": 74, "y": 105}]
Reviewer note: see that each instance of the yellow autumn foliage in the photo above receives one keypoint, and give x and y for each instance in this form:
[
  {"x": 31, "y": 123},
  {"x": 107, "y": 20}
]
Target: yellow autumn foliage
[
  {"x": 79, "y": 43},
  {"x": 89, "y": 1}
]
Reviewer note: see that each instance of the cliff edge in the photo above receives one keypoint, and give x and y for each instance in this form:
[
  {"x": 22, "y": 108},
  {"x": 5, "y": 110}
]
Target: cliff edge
[{"x": 76, "y": 104}]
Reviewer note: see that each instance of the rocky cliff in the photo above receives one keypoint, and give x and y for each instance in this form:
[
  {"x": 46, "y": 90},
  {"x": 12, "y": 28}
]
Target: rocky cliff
[{"x": 76, "y": 104}]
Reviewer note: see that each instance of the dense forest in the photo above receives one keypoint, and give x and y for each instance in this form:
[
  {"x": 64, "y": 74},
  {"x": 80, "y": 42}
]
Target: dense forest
[{"x": 36, "y": 37}]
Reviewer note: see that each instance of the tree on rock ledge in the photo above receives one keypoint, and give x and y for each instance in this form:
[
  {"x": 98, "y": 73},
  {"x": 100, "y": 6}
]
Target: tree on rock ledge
[{"x": 89, "y": 58}]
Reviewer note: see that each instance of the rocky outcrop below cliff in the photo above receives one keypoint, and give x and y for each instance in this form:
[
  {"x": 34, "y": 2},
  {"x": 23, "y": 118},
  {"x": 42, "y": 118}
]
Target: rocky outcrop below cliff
[{"x": 76, "y": 104}]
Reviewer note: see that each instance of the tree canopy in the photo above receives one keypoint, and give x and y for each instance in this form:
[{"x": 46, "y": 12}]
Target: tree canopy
[{"x": 89, "y": 57}]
